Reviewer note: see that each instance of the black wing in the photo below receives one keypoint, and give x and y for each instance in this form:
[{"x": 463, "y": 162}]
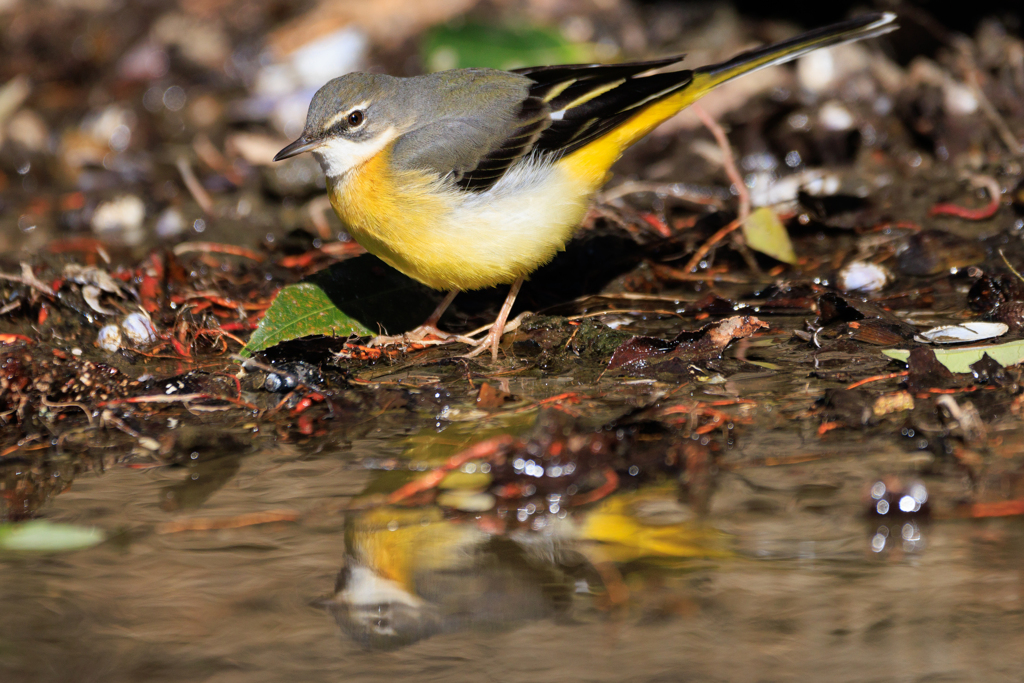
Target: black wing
[{"x": 570, "y": 105}]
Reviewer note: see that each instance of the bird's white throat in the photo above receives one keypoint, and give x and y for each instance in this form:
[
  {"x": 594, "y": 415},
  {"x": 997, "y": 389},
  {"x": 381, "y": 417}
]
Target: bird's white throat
[{"x": 337, "y": 156}]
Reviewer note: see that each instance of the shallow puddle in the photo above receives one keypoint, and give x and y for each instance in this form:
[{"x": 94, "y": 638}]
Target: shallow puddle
[{"x": 780, "y": 581}]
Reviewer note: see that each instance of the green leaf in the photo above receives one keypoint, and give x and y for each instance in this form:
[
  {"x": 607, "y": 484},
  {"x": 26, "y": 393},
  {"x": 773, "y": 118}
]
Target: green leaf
[
  {"x": 764, "y": 232},
  {"x": 298, "y": 311},
  {"x": 497, "y": 47},
  {"x": 43, "y": 536},
  {"x": 961, "y": 359},
  {"x": 360, "y": 296}
]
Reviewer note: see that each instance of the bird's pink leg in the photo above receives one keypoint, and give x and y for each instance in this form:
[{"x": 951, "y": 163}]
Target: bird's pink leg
[{"x": 493, "y": 338}]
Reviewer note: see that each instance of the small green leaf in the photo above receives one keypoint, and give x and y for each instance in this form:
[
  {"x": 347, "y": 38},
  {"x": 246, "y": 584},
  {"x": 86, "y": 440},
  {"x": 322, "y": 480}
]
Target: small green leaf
[
  {"x": 43, "y": 536},
  {"x": 961, "y": 359},
  {"x": 300, "y": 310},
  {"x": 764, "y": 232},
  {"x": 360, "y": 296}
]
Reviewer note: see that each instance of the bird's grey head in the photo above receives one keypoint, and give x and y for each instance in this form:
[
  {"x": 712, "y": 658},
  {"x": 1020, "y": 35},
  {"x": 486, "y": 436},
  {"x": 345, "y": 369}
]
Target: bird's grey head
[{"x": 350, "y": 120}]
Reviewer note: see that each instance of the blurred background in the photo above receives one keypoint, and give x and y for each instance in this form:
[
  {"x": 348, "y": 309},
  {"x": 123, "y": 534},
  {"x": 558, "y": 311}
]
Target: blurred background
[{"x": 143, "y": 122}]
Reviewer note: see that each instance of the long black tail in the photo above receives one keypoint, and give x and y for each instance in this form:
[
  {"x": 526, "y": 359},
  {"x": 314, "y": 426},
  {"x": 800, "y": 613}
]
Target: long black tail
[{"x": 866, "y": 26}]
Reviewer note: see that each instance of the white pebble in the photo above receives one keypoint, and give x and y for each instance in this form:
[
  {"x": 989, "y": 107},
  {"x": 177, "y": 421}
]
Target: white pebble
[
  {"x": 315, "y": 63},
  {"x": 170, "y": 224},
  {"x": 817, "y": 70},
  {"x": 823, "y": 70},
  {"x": 288, "y": 82},
  {"x": 109, "y": 338},
  {"x": 958, "y": 99},
  {"x": 139, "y": 329},
  {"x": 29, "y": 130},
  {"x": 120, "y": 220},
  {"x": 834, "y": 116},
  {"x": 767, "y": 190},
  {"x": 863, "y": 276}
]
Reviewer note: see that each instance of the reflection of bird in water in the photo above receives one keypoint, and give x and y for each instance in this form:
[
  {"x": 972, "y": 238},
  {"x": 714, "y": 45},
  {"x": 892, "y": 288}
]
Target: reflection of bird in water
[
  {"x": 411, "y": 574},
  {"x": 414, "y": 573}
]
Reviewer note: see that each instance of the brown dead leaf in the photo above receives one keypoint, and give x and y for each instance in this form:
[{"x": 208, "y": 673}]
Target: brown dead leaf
[{"x": 650, "y": 354}]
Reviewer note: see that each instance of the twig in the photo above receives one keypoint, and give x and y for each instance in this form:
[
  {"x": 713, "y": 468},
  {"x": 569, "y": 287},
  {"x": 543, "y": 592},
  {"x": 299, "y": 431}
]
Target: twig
[
  {"x": 212, "y": 157},
  {"x": 69, "y": 404},
  {"x": 699, "y": 255},
  {"x": 1005, "y": 508},
  {"x": 108, "y": 417},
  {"x": 729, "y": 162},
  {"x": 194, "y": 187},
  {"x": 23, "y": 442},
  {"x": 28, "y": 278},
  {"x": 624, "y": 311},
  {"x": 235, "y": 522},
  {"x": 877, "y": 378},
  {"x": 702, "y": 196},
  {"x": 181, "y": 398},
  {"x": 687, "y": 275},
  {"x": 317, "y": 209},
  {"x": 994, "y": 117},
  {"x": 478, "y": 451},
  {"x": 217, "y": 248},
  {"x": 1007, "y": 262}
]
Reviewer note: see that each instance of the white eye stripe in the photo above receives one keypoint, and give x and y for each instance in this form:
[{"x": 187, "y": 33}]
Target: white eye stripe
[{"x": 341, "y": 116}]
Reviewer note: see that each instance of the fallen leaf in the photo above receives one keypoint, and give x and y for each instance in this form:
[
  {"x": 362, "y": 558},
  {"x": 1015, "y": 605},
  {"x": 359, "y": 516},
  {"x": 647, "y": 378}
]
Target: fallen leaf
[
  {"x": 43, "y": 536},
  {"x": 470, "y": 44},
  {"x": 926, "y": 371},
  {"x": 491, "y": 398},
  {"x": 962, "y": 333},
  {"x": 301, "y": 310},
  {"x": 849, "y": 316},
  {"x": 650, "y": 354},
  {"x": 360, "y": 296},
  {"x": 960, "y": 359},
  {"x": 895, "y": 402},
  {"x": 764, "y": 232}
]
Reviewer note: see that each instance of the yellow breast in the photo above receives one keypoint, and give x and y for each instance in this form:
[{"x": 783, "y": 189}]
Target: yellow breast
[{"x": 451, "y": 239}]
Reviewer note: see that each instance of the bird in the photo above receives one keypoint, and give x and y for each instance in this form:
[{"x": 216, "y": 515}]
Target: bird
[{"x": 473, "y": 178}]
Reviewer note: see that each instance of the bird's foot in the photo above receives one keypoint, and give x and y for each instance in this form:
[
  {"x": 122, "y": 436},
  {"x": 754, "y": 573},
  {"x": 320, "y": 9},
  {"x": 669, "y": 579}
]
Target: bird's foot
[
  {"x": 424, "y": 335},
  {"x": 494, "y": 334}
]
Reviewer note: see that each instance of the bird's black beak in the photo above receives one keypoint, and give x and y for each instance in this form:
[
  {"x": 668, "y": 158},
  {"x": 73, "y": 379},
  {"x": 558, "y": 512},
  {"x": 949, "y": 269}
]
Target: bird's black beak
[{"x": 303, "y": 144}]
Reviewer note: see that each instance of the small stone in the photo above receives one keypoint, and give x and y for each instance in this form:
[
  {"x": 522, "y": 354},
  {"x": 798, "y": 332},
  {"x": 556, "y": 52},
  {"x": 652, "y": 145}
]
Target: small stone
[
  {"x": 139, "y": 329},
  {"x": 120, "y": 220},
  {"x": 109, "y": 338},
  {"x": 170, "y": 224},
  {"x": 863, "y": 276}
]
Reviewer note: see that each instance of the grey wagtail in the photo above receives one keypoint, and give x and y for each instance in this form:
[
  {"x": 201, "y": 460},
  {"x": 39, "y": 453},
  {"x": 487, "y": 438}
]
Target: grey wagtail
[{"x": 472, "y": 178}]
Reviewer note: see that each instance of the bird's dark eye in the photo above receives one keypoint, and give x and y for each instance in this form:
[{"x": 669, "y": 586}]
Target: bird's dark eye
[{"x": 356, "y": 118}]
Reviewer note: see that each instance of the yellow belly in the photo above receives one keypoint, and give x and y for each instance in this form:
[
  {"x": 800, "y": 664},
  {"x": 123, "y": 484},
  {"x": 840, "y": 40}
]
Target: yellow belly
[{"x": 449, "y": 239}]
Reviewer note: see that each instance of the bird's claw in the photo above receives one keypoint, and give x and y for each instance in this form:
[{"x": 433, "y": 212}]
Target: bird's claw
[{"x": 494, "y": 335}]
